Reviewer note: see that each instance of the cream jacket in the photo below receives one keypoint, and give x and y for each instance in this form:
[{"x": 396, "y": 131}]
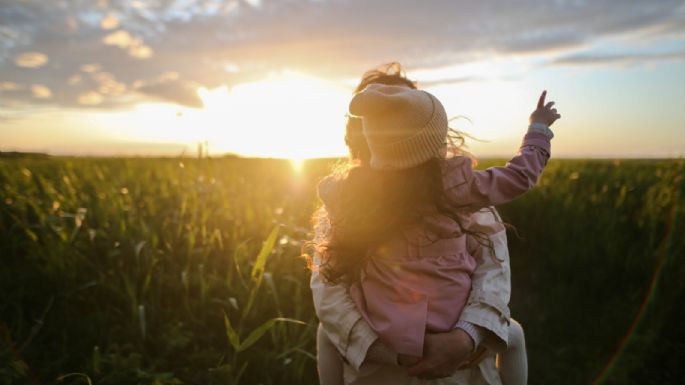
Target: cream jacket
[{"x": 487, "y": 307}]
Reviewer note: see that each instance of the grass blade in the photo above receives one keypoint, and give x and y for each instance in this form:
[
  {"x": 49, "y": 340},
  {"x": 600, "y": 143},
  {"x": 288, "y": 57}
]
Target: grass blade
[
  {"x": 231, "y": 334},
  {"x": 260, "y": 262},
  {"x": 257, "y": 333}
]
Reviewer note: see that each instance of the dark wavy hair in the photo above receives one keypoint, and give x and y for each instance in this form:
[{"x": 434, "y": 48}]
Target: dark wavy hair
[{"x": 372, "y": 206}]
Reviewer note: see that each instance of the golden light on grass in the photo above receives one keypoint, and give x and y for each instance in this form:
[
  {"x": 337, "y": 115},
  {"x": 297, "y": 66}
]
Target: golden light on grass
[{"x": 297, "y": 164}]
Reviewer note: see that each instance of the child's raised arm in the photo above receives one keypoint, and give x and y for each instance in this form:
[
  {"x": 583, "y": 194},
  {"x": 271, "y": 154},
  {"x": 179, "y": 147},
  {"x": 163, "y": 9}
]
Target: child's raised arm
[{"x": 473, "y": 189}]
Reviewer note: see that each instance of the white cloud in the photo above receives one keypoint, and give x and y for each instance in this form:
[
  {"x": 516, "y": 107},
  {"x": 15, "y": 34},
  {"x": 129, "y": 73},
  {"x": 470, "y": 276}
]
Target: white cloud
[
  {"x": 90, "y": 98},
  {"x": 90, "y": 68},
  {"x": 40, "y": 91},
  {"x": 133, "y": 45},
  {"x": 589, "y": 59},
  {"x": 31, "y": 59},
  {"x": 120, "y": 38},
  {"x": 110, "y": 21},
  {"x": 10, "y": 86}
]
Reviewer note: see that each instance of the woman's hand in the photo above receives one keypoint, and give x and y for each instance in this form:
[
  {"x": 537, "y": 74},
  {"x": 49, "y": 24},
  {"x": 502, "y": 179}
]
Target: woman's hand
[
  {"x": 443, "y": 354},
  {"x": 407, "y": 361},
  {"x": 544, "y": 113}
]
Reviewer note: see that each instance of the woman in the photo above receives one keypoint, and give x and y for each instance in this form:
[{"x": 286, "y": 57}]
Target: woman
[{"x": 484, "y": 321}]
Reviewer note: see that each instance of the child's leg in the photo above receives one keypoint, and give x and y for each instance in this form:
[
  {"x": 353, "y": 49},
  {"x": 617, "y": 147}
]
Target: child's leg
[
  {"x": 513, "y": 363},
  {"x": 329, "y": 361}
]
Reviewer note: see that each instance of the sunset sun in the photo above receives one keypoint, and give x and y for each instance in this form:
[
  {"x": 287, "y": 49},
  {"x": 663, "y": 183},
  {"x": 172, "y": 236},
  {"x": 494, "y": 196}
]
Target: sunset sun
[{"x": 286, "y": 115}]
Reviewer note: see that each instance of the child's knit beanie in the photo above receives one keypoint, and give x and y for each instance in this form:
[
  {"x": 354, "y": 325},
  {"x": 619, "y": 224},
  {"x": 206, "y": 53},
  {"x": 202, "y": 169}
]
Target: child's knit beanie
[{"x": 404, "y": 127}]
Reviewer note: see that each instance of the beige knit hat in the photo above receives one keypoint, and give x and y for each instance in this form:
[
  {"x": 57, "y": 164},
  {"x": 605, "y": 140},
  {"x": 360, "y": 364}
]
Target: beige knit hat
[{"x": 404, "y": 127}]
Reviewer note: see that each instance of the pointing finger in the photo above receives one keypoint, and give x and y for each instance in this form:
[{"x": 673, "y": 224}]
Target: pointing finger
[{"x": 541, "y": 101}]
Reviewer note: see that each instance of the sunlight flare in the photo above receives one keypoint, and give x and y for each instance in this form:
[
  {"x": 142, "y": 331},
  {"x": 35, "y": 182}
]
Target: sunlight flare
[
  {"x": 297, "y": 164},
  {"x": 287, "y": 115}
]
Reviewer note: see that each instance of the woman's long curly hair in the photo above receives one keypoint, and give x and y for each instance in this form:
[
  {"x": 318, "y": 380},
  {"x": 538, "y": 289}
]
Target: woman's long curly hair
[{"x": 372, "y": 206}]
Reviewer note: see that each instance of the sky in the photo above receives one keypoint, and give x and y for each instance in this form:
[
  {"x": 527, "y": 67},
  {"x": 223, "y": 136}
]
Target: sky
[{"x": 274, "y": 78}]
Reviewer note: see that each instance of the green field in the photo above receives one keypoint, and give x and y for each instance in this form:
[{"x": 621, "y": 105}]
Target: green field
[{"x": 169, "y": 271}]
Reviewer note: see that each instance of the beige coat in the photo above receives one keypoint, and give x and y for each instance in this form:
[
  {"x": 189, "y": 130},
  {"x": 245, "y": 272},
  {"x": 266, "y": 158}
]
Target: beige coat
[{"x": 487, "y": 307}]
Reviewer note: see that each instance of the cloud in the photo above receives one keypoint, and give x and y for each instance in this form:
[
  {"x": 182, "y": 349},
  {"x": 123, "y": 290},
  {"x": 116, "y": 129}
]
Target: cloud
[
  {"x": 174, "y": 91},
  {"x": 169, "y": 87},
  {"x": 90, "y": 68},
  {"x": 6, "y": 119},
  {"x": 90, "y": 98},
  {"x": 451, "y": 80},
  {"x": 10, "y": 86},
  {"x": 63, "y": 45},
  {"x": 40, "y": 91},
  {"x": 109, "y": 21},
  {"x": 133, "y": 45},
  {"x": 593, "y": 59},
  {"x": 31, "y": 60},
  {"x": 121, "y": 39},
  {"x": 107, "y": 84}
]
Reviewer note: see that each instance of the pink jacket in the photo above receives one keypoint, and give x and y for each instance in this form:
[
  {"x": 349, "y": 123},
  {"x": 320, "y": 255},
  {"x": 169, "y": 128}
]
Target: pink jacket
[
  {"x": 487, "y": 308},
  {"x": 420, "y": 280}
]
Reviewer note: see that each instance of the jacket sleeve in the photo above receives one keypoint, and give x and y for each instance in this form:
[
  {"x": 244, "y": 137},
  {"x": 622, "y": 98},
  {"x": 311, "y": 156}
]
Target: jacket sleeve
[
  {"x": 466, "y": 187},
  {"x": 488, "y": 303},
  {"x": 342, "y": 323}
]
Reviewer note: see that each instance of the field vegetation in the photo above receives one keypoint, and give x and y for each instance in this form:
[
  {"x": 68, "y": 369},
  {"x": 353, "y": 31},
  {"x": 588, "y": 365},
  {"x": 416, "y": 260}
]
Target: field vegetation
[{"x": 170, "y": 271}]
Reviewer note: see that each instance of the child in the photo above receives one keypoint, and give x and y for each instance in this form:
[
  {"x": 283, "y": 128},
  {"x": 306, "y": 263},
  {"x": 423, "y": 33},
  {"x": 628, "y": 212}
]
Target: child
[{"x": 399, "y": 227}]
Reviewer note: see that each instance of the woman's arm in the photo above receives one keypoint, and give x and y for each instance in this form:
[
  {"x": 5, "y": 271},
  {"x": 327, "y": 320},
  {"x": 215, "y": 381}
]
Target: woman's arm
[
  {"x": 342, "y": 323},
  {"x": 488, "y": 303}
]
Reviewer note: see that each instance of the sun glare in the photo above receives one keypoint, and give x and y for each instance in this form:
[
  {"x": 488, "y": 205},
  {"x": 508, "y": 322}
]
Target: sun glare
[
  {"x": 287, "y": 115},
  {"x": 297, "y": 164},
  {"x": 295, "y": 116}
]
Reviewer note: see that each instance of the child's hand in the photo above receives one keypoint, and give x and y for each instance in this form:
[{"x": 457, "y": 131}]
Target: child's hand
[{"x": 544, "y": 113}]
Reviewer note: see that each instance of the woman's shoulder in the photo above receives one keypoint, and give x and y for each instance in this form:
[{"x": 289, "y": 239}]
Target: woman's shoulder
[{"x": 328, "y": 187}]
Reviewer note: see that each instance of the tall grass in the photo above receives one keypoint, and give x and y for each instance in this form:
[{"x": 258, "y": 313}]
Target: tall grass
[{"x": 165, "y": 271}]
